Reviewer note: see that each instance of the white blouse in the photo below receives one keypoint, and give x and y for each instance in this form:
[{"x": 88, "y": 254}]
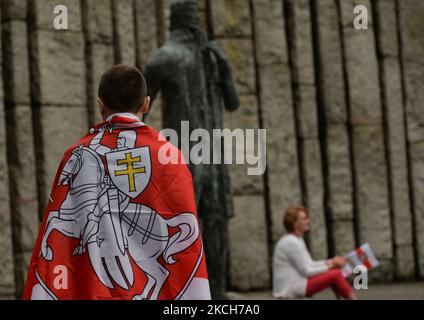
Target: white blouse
[{"x": 292, "y": 266}]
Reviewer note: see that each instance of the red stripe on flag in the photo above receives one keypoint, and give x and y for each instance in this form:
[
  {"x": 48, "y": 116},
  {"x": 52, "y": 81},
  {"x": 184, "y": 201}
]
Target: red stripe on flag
[{"x": 363, "y": 257}]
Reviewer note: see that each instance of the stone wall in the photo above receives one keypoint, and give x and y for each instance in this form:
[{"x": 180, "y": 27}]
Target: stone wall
[{"x": 343, "y": 111}]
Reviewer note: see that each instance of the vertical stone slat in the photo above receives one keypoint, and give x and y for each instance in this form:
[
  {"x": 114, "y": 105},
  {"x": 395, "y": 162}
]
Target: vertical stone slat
[
  {"x": 163, "y": 20},
  {"x": 333, "y": 121},
  {"x": 276, "y": 110},
  {"x": 99, "y": 51},
  {"x": 7, "y": 279},
  {"x": 146, "y": 35},
  {"x": 203, "y": 14},
  {"x": 411, "y": 25},
  {"x": 391, "y": 82},
  {"x": 58, "y": 81},
  {"x": 20, "y": 145},
  {"x": 302, "y": 65},
  {"x": 147, "y": 40},
  {"x": 124, "y": 34},
  {"x": 368, "y": 137},
  {"x": 230, "y": 22}
]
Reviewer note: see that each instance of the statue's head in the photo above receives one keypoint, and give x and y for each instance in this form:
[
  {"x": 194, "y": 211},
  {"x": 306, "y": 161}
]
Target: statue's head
[{"x": 185, "y": 15}]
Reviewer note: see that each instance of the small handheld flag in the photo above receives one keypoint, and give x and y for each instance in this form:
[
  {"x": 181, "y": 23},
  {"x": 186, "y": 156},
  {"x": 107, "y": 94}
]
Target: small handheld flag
[{"x": 361, "y": 256}]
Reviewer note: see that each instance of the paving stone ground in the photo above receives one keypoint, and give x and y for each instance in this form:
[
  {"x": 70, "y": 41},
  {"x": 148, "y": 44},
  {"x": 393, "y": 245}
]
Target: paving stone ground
[{"x": 397, "y": 291}]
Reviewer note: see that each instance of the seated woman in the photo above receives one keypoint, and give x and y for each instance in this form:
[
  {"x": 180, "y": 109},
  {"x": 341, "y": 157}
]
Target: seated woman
[{"x": 295, "y": 273}]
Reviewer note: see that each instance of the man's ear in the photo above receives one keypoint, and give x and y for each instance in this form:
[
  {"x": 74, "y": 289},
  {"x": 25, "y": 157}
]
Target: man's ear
[
  {"x": 146, "y": 105},
  {"x": 102, "y": 108}
]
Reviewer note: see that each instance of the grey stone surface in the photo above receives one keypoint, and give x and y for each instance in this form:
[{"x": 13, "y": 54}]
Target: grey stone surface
[
  {"x": 333, "y": 95},
  {"x": 372, "y": 189},
  {"x": 240, "y": 53},
  {"x": 17, "y": 57},
  {"x": 22, "y": 261},
  {"x": 417, "y": 158},
  {"x": 270, "y": 37},
  {"x": 368, "y": 136},
  {"x": 99, "y": 21},
  {"x": 411, "y": 23},
  {"x": 46, "y": 17},
  {"x": 102, "y": 59},
  {"x": 307, "y": 111},
  {"x": 166, "y": 18},
  {"x": 98, "y": 33},
  {"x": 304, "y": 80},
  {"x": 7, "y": 279},
  {"x": 62, "y": 68},
  {"x": 245, "y": 118},
  {"x": 22, "y": 172},
  {"x": 248, "y": 245},
  {"x": 231, "y": 18},
  {"x": 303, "y": 58},
  {"x": 398, "y": 150},
  {"x": 147, "y": 31},
  {"x": 147, "y": 41},
  {"x": 396, "y": 138},
  {"x": 23, "y": 204},
  {"x": 277, "y": 110},
  {"x": 13, "y": 10},
  {"x": 414, "y": 100},
  {"x": 58, "y": 135},
  {"x": 278, "y": 118},
  {"x": 340, "y": 200},
  {"x": 388, "y": 39},
  {"x": 343, "y": 235},
  {"x": 315, "y": 197},
  {"x": 23, "y": 188},
  {"x": 331, "y": 63},
  {"x": 123, "y": 11},
  {"x": 348, "y": 15},
  {"x": 405, "y": 265},
  {"x": 362, "y": 71},
  {"x": 58, "y": 62}
]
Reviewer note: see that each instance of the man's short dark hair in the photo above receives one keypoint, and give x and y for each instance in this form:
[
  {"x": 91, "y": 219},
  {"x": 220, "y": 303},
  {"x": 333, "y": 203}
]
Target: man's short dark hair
[{"x": 123, "y": 89}]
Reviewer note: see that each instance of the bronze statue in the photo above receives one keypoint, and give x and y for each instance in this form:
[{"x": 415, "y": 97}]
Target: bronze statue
[{"x": 194, "y": 75}]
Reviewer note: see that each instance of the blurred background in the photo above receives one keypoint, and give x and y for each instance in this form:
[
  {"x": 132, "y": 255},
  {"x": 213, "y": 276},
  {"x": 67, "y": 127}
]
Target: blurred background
[{"x": 343, "y": 109}]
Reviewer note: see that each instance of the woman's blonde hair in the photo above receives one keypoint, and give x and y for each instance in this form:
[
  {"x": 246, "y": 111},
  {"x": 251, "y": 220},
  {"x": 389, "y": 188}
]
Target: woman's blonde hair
[{"x": 291, "y": 216}]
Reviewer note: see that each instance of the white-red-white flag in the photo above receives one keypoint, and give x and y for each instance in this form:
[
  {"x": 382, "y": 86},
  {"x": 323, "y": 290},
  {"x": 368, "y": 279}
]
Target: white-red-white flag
[{"x": 361, "y": 256}]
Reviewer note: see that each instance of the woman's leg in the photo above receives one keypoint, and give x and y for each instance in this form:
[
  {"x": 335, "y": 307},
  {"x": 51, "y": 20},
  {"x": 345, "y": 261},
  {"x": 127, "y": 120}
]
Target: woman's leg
[{"x": 330, "y": 279}]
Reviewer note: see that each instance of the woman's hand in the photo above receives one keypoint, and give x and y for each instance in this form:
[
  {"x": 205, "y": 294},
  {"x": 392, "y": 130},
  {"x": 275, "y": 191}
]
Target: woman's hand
[
  {"x": 336, "y": 263},
  {"x": 339, "y": 262}
]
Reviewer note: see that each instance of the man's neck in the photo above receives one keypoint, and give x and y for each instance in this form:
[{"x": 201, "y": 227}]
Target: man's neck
[{"x": 109, "y": 115}]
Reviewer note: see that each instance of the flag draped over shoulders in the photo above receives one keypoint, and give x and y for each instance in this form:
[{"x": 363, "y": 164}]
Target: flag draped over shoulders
[{"x": 119, "y": 224}]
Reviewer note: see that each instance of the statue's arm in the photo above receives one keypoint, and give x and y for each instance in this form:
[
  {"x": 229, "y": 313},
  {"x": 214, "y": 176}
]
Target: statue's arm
[
  {"x": 154, "y": 73},
  {"x": 227, "y": 82}
]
